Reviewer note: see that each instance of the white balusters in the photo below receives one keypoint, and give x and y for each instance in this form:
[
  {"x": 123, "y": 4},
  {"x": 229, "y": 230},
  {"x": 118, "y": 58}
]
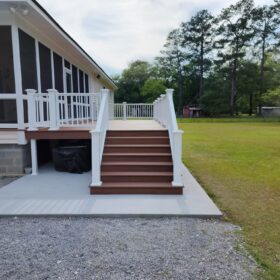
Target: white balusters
[
  {"x": 133, "y": 111},
  {"x": 53, "y": 109}
]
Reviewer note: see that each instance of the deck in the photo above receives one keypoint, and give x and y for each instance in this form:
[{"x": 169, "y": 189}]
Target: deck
[{"x": 83, "y": 132}]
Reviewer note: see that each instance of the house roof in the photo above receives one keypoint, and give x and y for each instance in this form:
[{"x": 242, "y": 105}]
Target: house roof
[{"x": 42, "y": 10}]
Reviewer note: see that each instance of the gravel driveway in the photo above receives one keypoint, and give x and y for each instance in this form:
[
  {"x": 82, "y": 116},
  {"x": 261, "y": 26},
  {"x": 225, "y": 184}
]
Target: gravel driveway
[{"x": 112, "y": 248}]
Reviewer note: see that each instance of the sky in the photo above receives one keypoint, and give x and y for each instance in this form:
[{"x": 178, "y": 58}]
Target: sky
[{"x": 116, "y": 32}]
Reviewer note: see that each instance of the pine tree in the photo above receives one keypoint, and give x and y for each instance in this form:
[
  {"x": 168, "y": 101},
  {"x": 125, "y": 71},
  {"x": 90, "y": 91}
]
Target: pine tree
[
  {"x": 234, "y": 32},
  {"x": 172, "y": 60},
  {"x": 266, "y": 23},
  {"x": 197, "y": 38}
]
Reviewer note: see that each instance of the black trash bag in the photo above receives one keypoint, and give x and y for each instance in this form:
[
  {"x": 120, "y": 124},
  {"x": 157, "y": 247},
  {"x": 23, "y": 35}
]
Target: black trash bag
[{"x": 73, "y": 159}]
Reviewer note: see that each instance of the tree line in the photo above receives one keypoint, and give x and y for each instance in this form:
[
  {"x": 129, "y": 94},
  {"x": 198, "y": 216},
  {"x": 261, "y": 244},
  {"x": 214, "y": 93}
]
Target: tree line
[{"x": 224, "y": 64}]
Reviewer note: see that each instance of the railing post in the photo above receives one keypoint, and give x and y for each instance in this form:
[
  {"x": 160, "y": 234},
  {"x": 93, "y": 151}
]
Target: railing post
[
  {"x": 98, "y": 138},
  {"x": 34, "y": 157},
  {"x": 31, "y": 109},
  {"x": 95, "y": 158},
  {"x": 54, "y": 122},
  {"x": 124, "y": 111},
  {"x": 177, "y": 158}
]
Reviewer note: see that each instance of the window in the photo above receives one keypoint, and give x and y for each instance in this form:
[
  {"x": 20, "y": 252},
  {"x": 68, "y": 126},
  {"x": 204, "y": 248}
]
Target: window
[
  {"x": 28, "y": 61},
  {"x": 86, "y": 83},
  {"x": 58, "y": 72},
  {"x": 8, "y": 111},
  {"x": 45, "y": 67},
  {"x": 67, "y": 64},
  {"x": 75, "y": 79},
  {"x": 81, "y": 80},
  {"x": 7, "y": 80}
]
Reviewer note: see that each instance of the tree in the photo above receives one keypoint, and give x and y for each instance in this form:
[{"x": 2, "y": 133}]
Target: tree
[
  {"x": 272, "y": 97},
  {"x": 266, "y": 23},
  {"x": 197, "y": 38},
  {"x": 131, "y": 81},
  {"x": 172, "y": 60},
  {"x": 247, "y": 87},
  {"x": 234, "y": 33},
  {"x": 152, "y": 89}
]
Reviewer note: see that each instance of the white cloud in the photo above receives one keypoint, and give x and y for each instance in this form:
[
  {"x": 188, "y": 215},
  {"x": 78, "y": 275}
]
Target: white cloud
[{"x": 114, "y": 32}]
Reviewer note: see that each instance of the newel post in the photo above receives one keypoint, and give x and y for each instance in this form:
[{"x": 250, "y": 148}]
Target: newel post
[
  {"x": 177, "y": 158},
  {"x": 54, "y": 122},
  {"x": 124, "y": 111},
  {"x": 31, "y": 109},
  {"x": 95, "y": 158}
]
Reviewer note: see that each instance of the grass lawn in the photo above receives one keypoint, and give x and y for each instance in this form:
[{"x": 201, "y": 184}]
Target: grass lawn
[{"x": 238, "y": 163}]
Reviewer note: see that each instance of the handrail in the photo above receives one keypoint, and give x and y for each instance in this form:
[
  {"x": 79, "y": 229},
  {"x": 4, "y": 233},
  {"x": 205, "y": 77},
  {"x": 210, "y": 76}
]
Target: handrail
[
  {"x": 53, "y": 109},
  {"x": 164, "y": 113},
  {"x": 133, "y": 111},
  {"x": 98, "y": 136}
]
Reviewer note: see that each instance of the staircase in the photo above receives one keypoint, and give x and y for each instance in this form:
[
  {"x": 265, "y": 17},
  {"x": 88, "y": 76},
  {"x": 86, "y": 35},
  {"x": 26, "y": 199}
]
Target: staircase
[{"x": 136, "y": 162}]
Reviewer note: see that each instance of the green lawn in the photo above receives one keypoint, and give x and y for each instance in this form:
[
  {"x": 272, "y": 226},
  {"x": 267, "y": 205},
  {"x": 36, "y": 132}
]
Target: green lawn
[{"x": 238, "y": 163}]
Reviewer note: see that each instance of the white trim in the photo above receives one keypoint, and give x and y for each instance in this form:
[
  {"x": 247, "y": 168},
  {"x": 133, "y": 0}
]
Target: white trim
[
  {"x": 7, "y": 125},
  {"x": 38, "y": 65},
  {"x": 52, "y": 69},
  {"x": 7, "y": 96},
  {"x": 17, "y": 76}
]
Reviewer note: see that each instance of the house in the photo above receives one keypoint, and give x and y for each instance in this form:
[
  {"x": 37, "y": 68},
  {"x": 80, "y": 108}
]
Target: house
[{"x": 52, "y": 90}]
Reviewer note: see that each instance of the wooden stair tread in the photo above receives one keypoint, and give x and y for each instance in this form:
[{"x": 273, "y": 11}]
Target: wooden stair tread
[
  {"x": 136, "y": 154},
  {"x": 137, "y": 173},
  {"x": 138, "y": 137},
  {"x": 136, "y": 163},
  {"x": 137, "y": 145},
  {"x": 136, "y": 185}
]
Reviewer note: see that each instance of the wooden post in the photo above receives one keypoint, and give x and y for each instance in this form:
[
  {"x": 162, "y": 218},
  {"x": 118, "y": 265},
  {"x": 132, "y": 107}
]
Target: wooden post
[
  {"x": 54, "y": 121},
  {"x": 31, "y": 109}
]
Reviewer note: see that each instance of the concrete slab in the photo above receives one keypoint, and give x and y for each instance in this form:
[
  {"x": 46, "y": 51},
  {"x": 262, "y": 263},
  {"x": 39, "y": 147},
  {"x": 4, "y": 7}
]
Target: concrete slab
[{"x": 59, "y": 194}]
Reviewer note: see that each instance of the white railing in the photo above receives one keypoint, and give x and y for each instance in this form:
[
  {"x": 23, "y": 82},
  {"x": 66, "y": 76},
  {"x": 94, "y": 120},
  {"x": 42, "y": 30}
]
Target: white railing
[
  {"x": 133, "y": 111},
  {"x": 164, "y": 113},
  {"x": 98, "y": 135},
  {"x": 54, "y": 109}
]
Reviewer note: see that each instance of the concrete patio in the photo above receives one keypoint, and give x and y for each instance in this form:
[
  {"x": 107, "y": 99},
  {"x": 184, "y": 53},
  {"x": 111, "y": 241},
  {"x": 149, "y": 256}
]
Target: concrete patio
[{"x": 58, "y": 194}]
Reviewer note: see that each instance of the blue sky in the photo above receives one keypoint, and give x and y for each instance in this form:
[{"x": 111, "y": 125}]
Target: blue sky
[{"x": 116, "y": 32}]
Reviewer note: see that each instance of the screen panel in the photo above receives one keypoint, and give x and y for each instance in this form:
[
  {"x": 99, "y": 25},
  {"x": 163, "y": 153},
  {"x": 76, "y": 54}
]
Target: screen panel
[
  {"x": 86, "y": 83},
  {"x": 45, "y": 67},
  {"x": 7, "y": 79},
  {"x": 28, "y": 61},
  {"x": 81, "y": 80},
  {"x": 8, "y": 111},
  {"x": 58, "y": 72},
  {"x": 75, "y": 79}
]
